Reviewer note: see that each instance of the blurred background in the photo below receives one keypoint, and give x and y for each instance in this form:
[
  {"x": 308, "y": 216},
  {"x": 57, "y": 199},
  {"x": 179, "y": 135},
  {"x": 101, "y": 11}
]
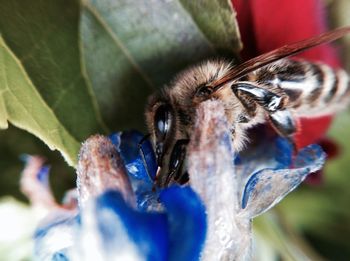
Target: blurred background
[{"x": 315, "y": 218}]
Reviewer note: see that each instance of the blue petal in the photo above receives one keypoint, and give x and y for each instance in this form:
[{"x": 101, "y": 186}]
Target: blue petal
[
  {"x": 43, "y": 175},
  {"x": 312, "y": 156},
  {"x": 131, "y": 153},
  {"x": 282, "y": 152},
  {"x": 60, "y": 256},
  {"x": 270, "y": 153},
  {"x": 115, "y": 138},
  {"x": 127, "y": 144},
  {"x": 267, "y": 187},
  {"x": 187, "y": 222},
  {"x": 149, "y": 231},
  {"x": 141, "y": 170}
]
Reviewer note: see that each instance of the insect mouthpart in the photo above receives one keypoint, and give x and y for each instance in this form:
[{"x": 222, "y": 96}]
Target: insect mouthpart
[{"x": 176, "y": 161}]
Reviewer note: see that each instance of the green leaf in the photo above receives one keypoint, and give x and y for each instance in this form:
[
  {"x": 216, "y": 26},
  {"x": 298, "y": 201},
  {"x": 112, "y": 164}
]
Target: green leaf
[
  {"x": 43, "y": 36},
  {"x": 127, "y": 51},
  {"x": 220, "y": 28},
  {"x": 22, "y": 105},
  {"x": 131, "y": 48}
]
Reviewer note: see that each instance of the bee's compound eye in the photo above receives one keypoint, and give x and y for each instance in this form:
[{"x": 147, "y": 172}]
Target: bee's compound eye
[{"x": 162, "y": 122}]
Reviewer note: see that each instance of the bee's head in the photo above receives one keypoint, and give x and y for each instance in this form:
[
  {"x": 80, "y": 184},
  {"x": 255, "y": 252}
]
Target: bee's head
[
  {"x": 170, "y": 114},
  {"x": 167, "y": 130}
]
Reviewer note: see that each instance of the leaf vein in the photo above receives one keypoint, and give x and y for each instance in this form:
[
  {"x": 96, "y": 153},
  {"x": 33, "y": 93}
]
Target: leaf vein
[
  {"x": 119, "y": 43},
  {"x": 65, "y": 91}
]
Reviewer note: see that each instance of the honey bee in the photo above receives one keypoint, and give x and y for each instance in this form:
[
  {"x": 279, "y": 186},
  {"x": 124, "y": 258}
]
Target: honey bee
[{"x": 268, "y": 88}]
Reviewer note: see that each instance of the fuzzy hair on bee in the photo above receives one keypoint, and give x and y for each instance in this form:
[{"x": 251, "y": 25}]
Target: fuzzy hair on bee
[
  {"x": 269, "y": 88},
  {"x": 182, "y": 93}
]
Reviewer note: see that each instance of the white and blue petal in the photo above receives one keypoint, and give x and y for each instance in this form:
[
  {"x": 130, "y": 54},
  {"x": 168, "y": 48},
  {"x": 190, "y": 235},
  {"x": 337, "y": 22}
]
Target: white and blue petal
[{"x": 267, "y": 187}]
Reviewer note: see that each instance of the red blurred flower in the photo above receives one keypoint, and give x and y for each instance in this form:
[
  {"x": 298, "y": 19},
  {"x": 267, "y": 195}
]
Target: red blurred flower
[{"x": 269, "y": 24}]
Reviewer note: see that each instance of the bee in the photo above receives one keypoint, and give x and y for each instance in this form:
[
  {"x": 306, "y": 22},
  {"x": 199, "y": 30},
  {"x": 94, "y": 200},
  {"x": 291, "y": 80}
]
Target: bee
[{"x": 268, "y": 88}]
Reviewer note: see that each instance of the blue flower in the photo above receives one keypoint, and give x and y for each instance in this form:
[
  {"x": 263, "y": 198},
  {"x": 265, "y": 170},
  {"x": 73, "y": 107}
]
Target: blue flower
[
  {"x": 121, "y": 216},
  {"x": 165, "y": 224}
]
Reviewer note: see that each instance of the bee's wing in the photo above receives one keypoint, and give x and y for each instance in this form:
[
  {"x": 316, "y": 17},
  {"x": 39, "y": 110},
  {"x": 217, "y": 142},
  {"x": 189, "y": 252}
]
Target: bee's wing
[{"x": 277, "y": 54}]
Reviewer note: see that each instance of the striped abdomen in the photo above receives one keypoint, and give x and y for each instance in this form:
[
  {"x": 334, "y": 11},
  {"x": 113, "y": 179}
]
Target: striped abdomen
[{"x": 313, "y": 88}]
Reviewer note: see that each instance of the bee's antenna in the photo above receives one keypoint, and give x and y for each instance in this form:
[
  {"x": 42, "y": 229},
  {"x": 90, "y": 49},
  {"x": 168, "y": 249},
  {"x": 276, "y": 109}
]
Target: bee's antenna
[{"x": 142, "y": 153}]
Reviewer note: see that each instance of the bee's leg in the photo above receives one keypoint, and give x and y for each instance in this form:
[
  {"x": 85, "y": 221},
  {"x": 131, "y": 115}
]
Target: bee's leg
[
  {"x": 270, "y": 101},
  {"x": 285, "y": 125},
  {"x": 250, "y": 109},
  {"x": 280, "y": 118},
  {"x": 283, "y": 122}
]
